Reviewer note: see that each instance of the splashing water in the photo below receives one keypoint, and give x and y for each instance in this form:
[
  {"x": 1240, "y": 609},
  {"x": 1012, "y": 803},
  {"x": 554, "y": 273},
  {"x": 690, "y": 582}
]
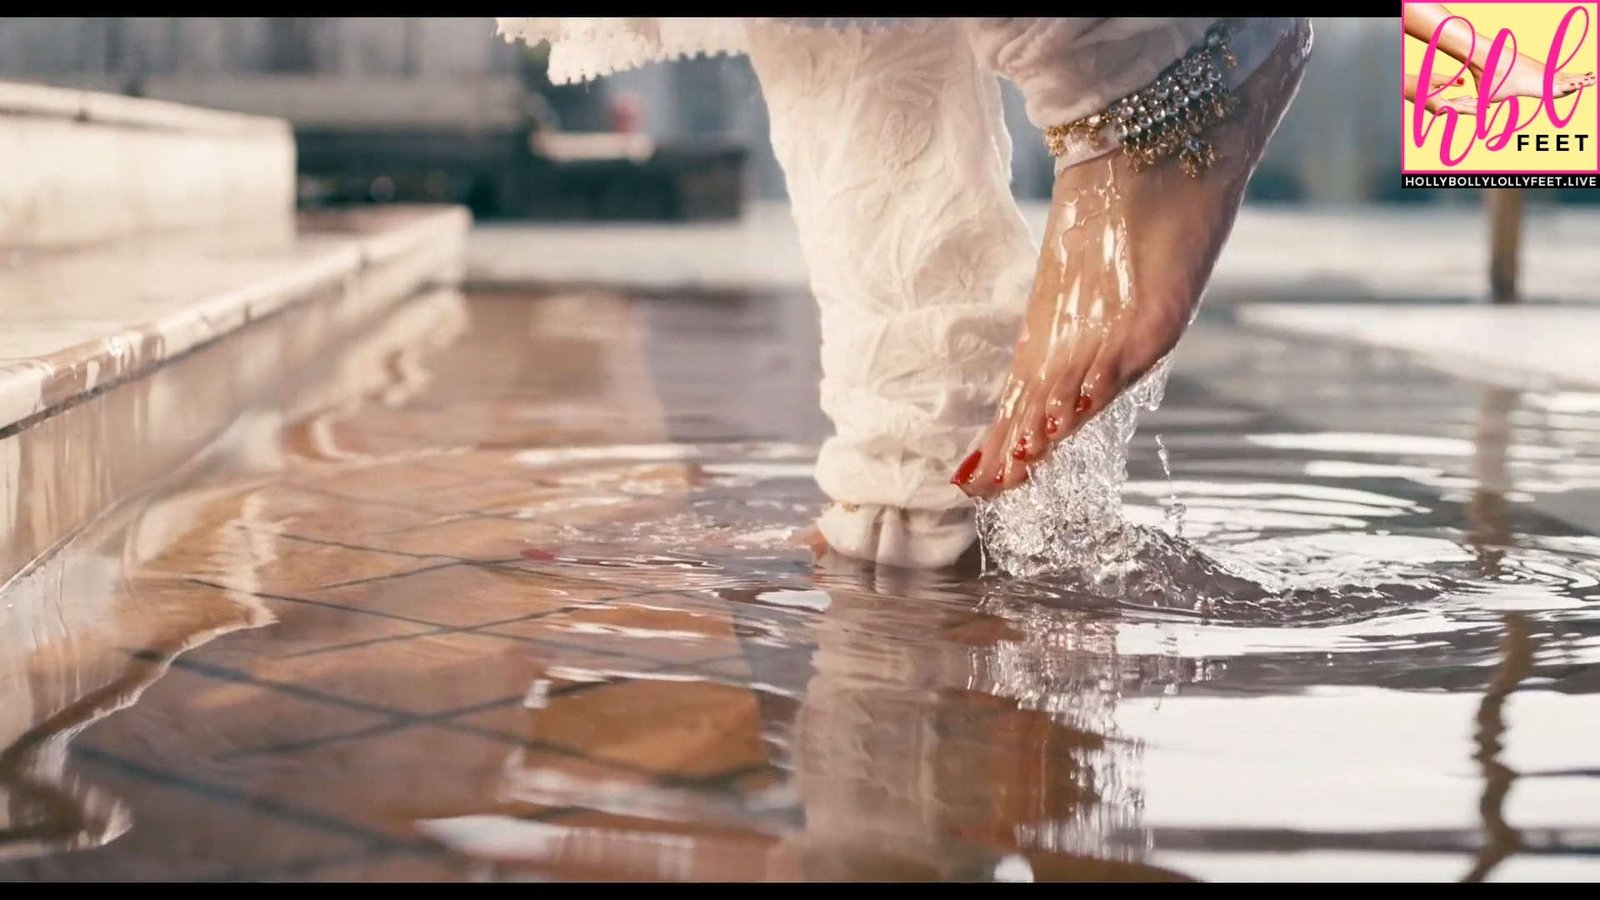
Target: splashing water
[
  {"x": 1066, "y": 519},
  {"x": 1063, "y": 533},
  {"x": 1175, "y": 507}
]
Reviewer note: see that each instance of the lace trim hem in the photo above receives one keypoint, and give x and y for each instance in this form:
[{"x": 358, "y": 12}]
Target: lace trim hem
[{"x": 612, "y": 47}]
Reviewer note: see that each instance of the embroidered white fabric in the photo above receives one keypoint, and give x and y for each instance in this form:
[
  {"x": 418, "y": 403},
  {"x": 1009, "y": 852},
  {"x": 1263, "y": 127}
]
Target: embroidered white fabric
[
  {"x": 920, "y": 262},
  {"x": 1111, "y": 50},
  {"x": 898, "y": 163}
]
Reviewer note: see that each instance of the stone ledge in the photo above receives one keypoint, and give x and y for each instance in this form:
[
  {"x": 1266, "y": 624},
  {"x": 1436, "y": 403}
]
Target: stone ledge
[
  {"x": 96, "y": 107},
  {"x": 76, "y": 321},
  {"x": 83, "y": 168},
  {"x": 126, "y": 363}
]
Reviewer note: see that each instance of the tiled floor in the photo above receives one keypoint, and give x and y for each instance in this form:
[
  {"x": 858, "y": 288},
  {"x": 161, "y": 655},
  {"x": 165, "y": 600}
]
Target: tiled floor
[
  {"x": 421, "y": 664},
  {"x": 427, "y": 639}
]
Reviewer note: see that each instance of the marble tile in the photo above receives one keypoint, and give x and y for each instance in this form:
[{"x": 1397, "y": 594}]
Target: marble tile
[
  {"x": 231, "y": 721},
  {"x": 690, "y": 730},
  {"x": 414, "y": 676},
  {"x": 194, "y": 830},
  {"x": 371, "y": 779},
  {"x": 459, "y": 596},
  {"x": 635, "y": 629}
]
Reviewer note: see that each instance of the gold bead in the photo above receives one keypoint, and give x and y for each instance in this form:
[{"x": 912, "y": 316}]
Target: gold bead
[{"x": 1165, "y": 132}]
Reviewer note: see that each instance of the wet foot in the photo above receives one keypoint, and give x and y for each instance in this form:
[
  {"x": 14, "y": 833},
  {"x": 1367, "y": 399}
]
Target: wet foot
[
  {"x": 1125, "y": 258},
  {"x": 1525, "y": 78},
  {"x": 888, "y": 536},
  {"x": 811, "y": 539},
  {"x": 824, "y": 556}
]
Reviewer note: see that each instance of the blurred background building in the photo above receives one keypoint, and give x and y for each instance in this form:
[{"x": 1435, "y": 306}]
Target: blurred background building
[{"x": 444, "y": 109}]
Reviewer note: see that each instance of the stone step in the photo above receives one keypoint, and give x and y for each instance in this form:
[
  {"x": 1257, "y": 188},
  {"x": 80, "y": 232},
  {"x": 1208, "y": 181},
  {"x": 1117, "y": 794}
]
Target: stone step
[
  {"x": 121, "y": 362},
  {"x": 83, "y": 167}
]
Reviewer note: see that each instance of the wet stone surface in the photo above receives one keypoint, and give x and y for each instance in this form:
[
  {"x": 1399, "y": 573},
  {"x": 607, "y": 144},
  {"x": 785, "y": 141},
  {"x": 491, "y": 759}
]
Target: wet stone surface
[{"x": 519, "y": 602}]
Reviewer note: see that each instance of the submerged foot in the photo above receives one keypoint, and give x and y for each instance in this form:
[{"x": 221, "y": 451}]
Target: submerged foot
[
  {"x": 1125, "y": 258},
  {"x": 826, "y": 556}
]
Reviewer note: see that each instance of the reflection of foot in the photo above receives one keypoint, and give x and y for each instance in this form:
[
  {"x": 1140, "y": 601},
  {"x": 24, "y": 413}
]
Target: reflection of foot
[
  {"x": 1125, "y": 259},
  {"x": 1525, "y": 78}
]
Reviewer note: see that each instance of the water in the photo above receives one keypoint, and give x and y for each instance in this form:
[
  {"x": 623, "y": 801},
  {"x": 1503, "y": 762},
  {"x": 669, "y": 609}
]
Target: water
[
  {"x": 522, "y": 603},
  {"x": 1175, "y": 507},
  {"x": 1066, "y": 521}
]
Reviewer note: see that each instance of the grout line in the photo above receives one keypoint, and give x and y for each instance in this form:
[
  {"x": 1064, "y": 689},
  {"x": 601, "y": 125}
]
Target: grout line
[{"x": 268, "y": 805}]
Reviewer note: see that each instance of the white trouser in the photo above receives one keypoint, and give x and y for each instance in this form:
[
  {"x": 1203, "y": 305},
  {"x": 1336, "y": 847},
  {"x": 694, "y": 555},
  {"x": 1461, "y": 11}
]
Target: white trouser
[
  {"x": 898, "y": 163},
  {"x": 899, "y": 173}
]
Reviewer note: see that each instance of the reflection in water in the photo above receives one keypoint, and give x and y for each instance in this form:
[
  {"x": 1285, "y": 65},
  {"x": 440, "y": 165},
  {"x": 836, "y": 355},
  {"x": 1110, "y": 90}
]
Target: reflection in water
[
  {"x": 88, "y": 630},
  {"x": 1490, "y": 536},
  {"x": 524, "y": 620},
  {"x": 990, "y": 754},
  {"x": 83, "y": 641},
  {"x": 1490, "y": 531},
  {"x": 1500, "y": 839}
]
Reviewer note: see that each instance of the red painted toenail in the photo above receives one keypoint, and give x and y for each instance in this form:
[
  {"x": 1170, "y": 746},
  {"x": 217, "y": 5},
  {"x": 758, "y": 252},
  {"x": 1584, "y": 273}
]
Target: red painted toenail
[
  {"x": 1021, "y": 450},
  {"x": 967, "y": 467},
  {"x": 1084, "y": 404},
  {"x": 1051, "y": 424},
  {"x": 1000, "y": 477}
]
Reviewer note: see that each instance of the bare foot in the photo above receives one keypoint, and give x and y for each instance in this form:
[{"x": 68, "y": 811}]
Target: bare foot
[
  {"x": 1466, "y": 106},
  {"x": 1525, "y": 78},
  {"x": 1433, "y": 103},
  {"x": 811, "y": 538},
  {"x": 1125, "y": 258},
  {"x": 824, "y": 556}
]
